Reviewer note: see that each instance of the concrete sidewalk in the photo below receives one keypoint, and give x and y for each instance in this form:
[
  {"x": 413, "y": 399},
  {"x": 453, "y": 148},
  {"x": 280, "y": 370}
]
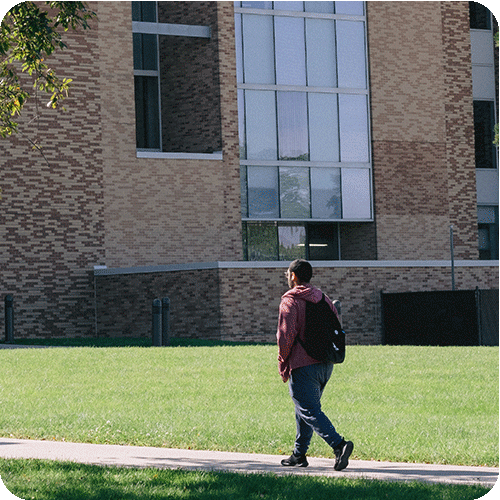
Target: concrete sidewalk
[{"x": 164, "y": 458}]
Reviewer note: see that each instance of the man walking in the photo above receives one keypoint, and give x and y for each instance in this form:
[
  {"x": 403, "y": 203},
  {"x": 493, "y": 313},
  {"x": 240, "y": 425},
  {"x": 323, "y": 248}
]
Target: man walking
[{"x": 307, "y": 377}]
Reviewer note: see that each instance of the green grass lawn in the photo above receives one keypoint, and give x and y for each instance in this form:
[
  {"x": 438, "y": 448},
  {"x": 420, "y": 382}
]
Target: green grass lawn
[
  {"x": 45, "y": 480},
  {"x": 416, "y": 404}
]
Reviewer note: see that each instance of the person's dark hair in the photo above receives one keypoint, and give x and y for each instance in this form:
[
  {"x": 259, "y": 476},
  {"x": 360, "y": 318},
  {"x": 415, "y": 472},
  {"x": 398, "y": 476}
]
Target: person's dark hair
[{"x": 302, "y": 269}]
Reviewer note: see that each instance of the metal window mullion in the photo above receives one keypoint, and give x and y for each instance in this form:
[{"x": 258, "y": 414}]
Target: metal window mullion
[
  {"x": 294, "y": 13},
  {"x": 160, "y": 130}
]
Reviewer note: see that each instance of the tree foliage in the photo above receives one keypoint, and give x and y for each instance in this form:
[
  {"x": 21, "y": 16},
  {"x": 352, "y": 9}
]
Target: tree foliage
[{"x": 28, "y": 35}]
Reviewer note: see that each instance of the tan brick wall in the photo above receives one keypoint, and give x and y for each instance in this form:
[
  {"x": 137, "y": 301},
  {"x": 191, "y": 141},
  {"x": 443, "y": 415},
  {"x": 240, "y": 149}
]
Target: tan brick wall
[
  {"x": 250, "y": 297},
  {"x": 163, "y": 211},
  {"x": 423, "y": 155},
  {"x": 95, "y": 202}
]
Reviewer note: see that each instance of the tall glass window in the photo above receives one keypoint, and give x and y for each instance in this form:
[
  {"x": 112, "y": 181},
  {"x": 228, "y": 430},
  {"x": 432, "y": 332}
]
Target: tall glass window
[
  {"x": 303, "y": 104},
  {"x": 177, "y": 91}
]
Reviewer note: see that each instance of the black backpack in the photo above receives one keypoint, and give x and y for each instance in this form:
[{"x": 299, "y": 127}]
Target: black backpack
[{"x": 324, "y": 338}]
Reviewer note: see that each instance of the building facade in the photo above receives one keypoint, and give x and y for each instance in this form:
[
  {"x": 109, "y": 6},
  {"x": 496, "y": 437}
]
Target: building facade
[{"x": 207, "y": 144}]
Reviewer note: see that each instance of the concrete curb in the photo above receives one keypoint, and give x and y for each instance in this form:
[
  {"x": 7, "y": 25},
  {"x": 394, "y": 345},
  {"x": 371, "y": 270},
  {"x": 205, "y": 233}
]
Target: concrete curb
[{"x": 165, "y": 458}]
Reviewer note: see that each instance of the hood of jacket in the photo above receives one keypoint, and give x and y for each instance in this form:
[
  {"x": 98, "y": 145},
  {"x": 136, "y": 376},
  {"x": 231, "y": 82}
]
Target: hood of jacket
[{"x": 305, "y": 292}]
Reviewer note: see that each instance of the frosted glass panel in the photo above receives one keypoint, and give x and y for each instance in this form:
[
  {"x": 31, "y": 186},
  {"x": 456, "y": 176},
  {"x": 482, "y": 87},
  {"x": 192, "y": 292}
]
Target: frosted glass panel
[
  {"x": 260, "y": 110},
  {"x": 483, "y": 82},
  {"x": 258, "y": 49},
  {"x": 257, "y": 5},
  {"x": 353, "y": 117},
  {"x": 292, "y": 126},
  {"x": 351, "y": 54},
  {"x": 323, "y": 127},
  {"x": 356, "y": 193},
  {"x": 241, "y": 125},
  {"x": 293, "y": 5},
  {"x": 321, "y": 65},
  {"x": 239, "y": 48},
  {"x": 294, "y": 193},
  {"x": 290, "y": 51},
  {"x": 263, "y": 192},
  {"x": 323, "y": 7},
  {"x": 325, "y": 193},
  {"x": 348, "y": 7}
]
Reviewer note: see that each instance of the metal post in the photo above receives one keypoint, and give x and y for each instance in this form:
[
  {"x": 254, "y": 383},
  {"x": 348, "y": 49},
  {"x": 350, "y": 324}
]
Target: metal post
[
  {"x": 452, "y": 259},
  {"x": 9, "y": 319},
  {"x": 156, "y": 323},
  {"x": 165, "y": 321}
]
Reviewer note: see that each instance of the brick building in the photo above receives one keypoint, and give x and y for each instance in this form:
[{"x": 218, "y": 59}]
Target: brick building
[{"x": 207, "y": 144}]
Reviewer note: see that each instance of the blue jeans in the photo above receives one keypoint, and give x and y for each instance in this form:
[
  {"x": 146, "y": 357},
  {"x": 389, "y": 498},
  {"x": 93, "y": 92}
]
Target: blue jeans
[{"x": 306, "y": 387}]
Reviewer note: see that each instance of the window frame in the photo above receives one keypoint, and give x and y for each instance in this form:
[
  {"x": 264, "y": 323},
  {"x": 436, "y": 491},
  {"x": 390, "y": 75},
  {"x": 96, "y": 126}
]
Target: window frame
[
  {"x": 243, "y": 87},
  {"x": 170, "y": 29}
]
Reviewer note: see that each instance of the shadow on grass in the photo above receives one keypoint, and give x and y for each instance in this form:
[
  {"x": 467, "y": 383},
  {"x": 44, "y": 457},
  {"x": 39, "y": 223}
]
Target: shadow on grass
[
  {"x": 47, "y": 480},
  {"x": 124, "y": 342}
]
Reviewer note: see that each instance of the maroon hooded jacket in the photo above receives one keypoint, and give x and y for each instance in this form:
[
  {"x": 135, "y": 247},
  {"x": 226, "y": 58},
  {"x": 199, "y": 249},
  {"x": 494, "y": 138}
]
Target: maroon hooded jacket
[{"x": 292, "y": 322}]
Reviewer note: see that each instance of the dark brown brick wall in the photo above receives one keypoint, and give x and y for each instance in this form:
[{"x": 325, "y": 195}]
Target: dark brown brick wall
[
  {"x": 51, "y": 211},
  {"x": 460, "y": 154},
  {"x": 241, "y": 303},
  {"x": 124, "y": 303},
  {"x": 190, "y": 90}
]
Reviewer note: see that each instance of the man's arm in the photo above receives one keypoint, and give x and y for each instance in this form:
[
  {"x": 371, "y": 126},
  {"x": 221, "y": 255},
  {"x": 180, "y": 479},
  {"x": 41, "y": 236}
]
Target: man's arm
[{"x": 287, "y": 331}]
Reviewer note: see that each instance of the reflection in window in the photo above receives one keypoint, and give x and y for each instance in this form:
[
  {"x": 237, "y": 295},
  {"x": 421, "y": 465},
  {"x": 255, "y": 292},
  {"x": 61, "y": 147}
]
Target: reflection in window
[
  {"x": 263, "y": 192},
  {"x": 262, "y": 242},
  {"x": 325, "y": 193},
  {"x": 260, "y": 112},
  {"x": 303, "y": 92},
  {"x": 292, "y": 242},
  {"x": 292, "y": 126},
  {"x": 294, "y": 193},
  {"x": 282, "y": 241}
]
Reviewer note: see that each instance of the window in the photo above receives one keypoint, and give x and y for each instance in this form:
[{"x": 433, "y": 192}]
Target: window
[
  {"x": 488, "y": 232},
  {"x": 484, "y": 124},
  {"x": 480, "y": 16},
  {"x": 303, "y": 105},
  {"x": 177, "y": 96},
  {"x": 483, "y": 85},
  {"x": 287, "y": 241}
]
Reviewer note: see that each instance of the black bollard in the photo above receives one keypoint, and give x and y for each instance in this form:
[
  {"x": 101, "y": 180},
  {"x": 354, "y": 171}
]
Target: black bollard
[
  {"x": 156, "y": 323},
  {"x": 165, "y": 321},
  {"x": 9, "y": 319}
]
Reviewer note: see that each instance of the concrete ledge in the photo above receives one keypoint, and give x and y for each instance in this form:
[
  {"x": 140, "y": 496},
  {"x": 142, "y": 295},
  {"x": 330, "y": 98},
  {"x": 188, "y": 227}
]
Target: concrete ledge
[{"x": 104, "y": 271}]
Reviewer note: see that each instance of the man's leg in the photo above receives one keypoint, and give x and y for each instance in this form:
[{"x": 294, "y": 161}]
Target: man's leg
[{"x": 306, "y": 387}]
